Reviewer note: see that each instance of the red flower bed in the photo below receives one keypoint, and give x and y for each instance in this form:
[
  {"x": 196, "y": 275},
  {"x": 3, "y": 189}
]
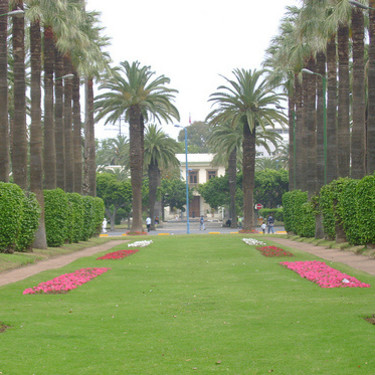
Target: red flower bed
[
  {"x": 248, "y": 231},
  {"x": 136, "y": 233},
  {"x": 273, "y": 251},
  {"x": 323, "y": 275},
  {"x": 66, "y": 282},
  {"x": 118, "y": 254}
]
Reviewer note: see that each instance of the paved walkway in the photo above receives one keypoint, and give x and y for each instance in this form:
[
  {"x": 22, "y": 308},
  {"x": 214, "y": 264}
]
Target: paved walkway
[
  {"x": 359, "y": 262},
  {"x": 18, "y": 274}
]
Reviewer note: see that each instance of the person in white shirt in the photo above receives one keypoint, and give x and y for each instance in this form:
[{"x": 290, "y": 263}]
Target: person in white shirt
[{"x": 148, "y": 223}]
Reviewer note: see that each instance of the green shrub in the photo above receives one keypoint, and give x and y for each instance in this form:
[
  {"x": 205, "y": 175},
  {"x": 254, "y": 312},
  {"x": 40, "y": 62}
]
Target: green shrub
[
  {"x": 11, "y": 206},
  {"x": 98, "y": 216},
  {"x": 292, "y": 210},
  {"x": 56, "y": 215},
  {"x": 326, "y": 205},
  {"x": 88, "y": 219},
  {"x": 306, "y": 223},
  {"x": 77, "y": 216},
  {"x": 29, "y": 223}
]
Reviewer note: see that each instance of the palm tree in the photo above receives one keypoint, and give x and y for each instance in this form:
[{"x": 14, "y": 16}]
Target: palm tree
[
  {"x": 132, "y": 91},
  {"x": 371, "y": 92},
  {"x": 159, "y": 152},
  {"x": 19, "y": 154},
  {"x": 246, "y": 101},
  {"x": 4, "y": 125}
]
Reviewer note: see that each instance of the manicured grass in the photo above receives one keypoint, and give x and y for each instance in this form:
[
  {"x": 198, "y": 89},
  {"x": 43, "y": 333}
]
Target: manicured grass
[{"x": 185, "y": 305}]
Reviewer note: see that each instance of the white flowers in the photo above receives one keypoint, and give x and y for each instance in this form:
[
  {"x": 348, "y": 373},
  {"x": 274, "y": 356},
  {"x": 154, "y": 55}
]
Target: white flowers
[
  {"x": 140, "y": 243},
  {"x": 253, "y": 242}
]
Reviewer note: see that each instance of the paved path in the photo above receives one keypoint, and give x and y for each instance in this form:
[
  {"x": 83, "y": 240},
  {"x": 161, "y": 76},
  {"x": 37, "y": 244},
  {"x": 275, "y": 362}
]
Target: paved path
[
  {"x": 57, "y": 262},
  {"x": 360, "y": 262}
]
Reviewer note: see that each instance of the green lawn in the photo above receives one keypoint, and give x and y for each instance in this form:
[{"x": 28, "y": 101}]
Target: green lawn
[{"x": 189, "y": 305}]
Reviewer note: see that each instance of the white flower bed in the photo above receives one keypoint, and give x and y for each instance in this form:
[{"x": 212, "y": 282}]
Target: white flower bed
[
  {"x": 140, "y": 243},
  {"x": 253, "y": 242}
]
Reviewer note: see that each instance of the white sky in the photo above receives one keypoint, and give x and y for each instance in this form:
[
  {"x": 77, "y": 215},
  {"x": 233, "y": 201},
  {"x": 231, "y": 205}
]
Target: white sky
[{"x": 191, "y": 42}]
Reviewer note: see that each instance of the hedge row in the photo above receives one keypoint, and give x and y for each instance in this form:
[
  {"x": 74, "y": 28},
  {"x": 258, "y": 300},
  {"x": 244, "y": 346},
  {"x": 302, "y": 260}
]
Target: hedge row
[
  {"x": 277, "y": 213},
  {"x": 347, "y": 207},
  {"x": 69, "y": 217}
]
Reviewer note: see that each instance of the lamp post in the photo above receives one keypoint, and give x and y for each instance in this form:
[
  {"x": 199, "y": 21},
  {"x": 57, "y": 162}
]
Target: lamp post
[
  {"x": 324, "y": 87},
  {"x": 187, "y": 180},
  {"x": 65, "y": 76}
]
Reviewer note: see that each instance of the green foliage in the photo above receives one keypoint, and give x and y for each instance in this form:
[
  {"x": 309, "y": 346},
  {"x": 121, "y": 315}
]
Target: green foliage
[
  {"x": 292, "y": 209},
  {"x": 29, "y": 223},
  {"x": 306, "y": 224},
  {"x": 98, "y": 215},
  {"x": 173, "y": 193},
  {"x": 56, "y": 216},
  {"x": 77, "y": 218},
  {"x": 11, "y": 212},
  {"x": 88, "y": 218},
  {"x": 215, "y": 191},
  {"x": 270, "y": 185},
  {"x": 277, "y": 213},
  {"x": 198, "y": 134}
]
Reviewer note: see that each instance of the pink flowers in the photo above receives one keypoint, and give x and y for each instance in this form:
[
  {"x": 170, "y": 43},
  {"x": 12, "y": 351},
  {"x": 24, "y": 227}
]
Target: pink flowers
[
  {"x": 66, "y": 282},
  {"x": 323, "y": 275},
  {"x": 273, "y": 251},
  {"x": 118, "y": 254}
]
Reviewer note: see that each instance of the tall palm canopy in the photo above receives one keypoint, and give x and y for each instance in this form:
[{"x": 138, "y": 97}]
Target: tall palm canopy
[
  {"x": 247, "y": 101},
  {"x": 133, "y": 90}
]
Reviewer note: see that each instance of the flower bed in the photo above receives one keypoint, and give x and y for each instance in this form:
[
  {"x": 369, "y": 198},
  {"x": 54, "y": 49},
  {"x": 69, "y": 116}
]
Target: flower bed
[
  {"x": 66, "y": 282},
  {"x": 248, "y": 231},
  {"x": 136, "y": 233},
  {"x": 118, "y": 254},
  {"x": 140, "y": 243},
  {"x": 253, "y": 242},
  {"x": 323, "y": 275},
  {"x": 273, "y": 251}
]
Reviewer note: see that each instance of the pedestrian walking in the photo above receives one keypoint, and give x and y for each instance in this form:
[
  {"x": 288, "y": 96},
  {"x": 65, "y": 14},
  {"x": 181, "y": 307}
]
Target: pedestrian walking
[
  {"x": 263, "y": 227},
  {"x": 201, "y": 223},
  {"x": 270, "y": 223},
  {"x": 148, "y": 223}
]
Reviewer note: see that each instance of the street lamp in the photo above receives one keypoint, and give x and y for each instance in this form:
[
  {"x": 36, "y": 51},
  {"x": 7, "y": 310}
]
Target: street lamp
[
  {"x": 187, "y": 180},
  {"x": 360, "y": 5},
  {"x": 18, "y": 13},
  {"x": 324, "y": 83},
  {"x": 65, "y": 76}
]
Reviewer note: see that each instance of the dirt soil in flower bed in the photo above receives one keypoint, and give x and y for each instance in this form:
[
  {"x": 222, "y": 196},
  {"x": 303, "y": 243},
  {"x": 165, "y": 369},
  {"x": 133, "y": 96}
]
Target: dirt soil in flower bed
[{"x": 57, "y": 262}]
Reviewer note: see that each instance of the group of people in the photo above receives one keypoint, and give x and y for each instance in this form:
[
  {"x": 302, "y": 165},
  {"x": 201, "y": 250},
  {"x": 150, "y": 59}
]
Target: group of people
[{"x": 269, "y": 225}]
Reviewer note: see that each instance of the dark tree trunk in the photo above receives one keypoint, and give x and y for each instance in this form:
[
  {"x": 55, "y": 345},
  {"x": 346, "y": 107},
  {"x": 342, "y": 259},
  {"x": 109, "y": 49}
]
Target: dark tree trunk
[
  {"x": 304, "y": 162},
  {"x": 310, "y": 125},
  {"x": 359, "y": 126},
  {"x": 89, "y": 187},
  {"x": 343, "y": 125},
  {"x": 36, "y": 134},
  {"x": 292, "y": 124},
  {"x": 136, "y": 165},
  {"x": 77, "y": 138},
  {"x": 232, "y": 179},
  {"x": 4, "y": 125},
  {"x": 321, "y": 69},
  {"x": 154, "y": 182},
  {"x": 68, "y": 132},
  {"x": 49, "y": 155},
  {"x": 331, "y": 110},
  {"x": 300, "y": 179},
  {"x": 59, "y": 121},
  {"x": 371, "y": 93},
  {"x": 248, "y": 165},
  {"x": 19, "y": 154}
]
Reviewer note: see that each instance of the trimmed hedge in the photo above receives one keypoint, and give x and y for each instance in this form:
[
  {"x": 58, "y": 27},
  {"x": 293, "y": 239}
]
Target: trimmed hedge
[
  {"x": 29, "y": 222},
  {"x": 98, "y": 216},
  {"x": 11, "y": 211},
  {"x": 77, "y": 217}
]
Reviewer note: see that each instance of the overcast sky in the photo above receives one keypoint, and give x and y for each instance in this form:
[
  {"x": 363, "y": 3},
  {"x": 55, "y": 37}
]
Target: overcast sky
[{"x": 191, "y": 42}]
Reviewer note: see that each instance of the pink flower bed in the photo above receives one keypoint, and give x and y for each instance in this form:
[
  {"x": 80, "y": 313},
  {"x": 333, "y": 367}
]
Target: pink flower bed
[
  {"x": 323, "y": 275},
  {"x": 66, "y": 282},
  {"x": 118, "y": 254}
]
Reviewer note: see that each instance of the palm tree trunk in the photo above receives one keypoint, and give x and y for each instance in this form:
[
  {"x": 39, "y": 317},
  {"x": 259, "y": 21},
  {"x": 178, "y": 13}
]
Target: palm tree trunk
[
  {"x": 331, "y": 110},
  {"x": 77, "y": 138},
  {"x": 299, "y": 134},
  {"x": 153, "y": 177},
  {"x": 310, "y": 125},
  {"x": 59, "y": 121},
  {"x": 89, "y": 186},
  {"x": 371, "y": 93},
  {"x": 359, "y": 126},
  {"x": 248, "y": 165},
  {"x": 68, "y": 134},
  {"x": 19, "y": 154},
  {"x": 232, "y": 179},
  {"x": 36, "y": 134},
  {"x": 291, "y": 123},
  {"x": 49, "y": 155},
  {"x": 136, "y": 166},
  {"x": 4, "y": 125},
  {"x": 321, "y": 69},
  {"x": 343, "y": 124}
]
